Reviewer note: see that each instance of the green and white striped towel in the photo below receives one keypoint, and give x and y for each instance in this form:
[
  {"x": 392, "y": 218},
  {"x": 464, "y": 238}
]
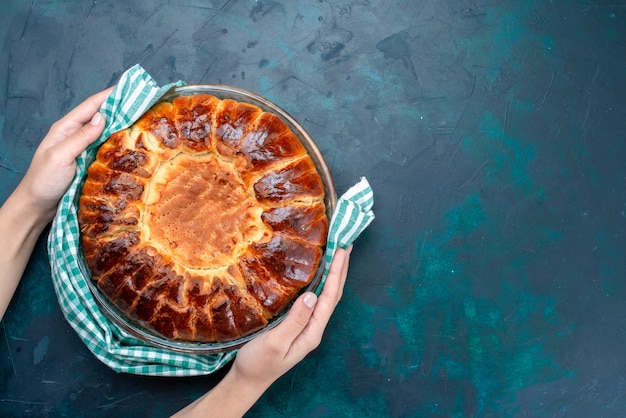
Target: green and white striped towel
[
  {"x": 351, "y": 216},
  {"x": 134, "y": 94}
]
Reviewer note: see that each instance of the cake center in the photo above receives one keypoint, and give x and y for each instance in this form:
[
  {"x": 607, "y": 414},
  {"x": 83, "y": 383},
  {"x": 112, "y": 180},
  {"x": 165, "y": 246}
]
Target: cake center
[{"x": 198, "y": 211}]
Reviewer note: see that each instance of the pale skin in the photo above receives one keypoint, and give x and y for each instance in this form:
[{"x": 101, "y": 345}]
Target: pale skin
[{"x": 32, "y": 205}]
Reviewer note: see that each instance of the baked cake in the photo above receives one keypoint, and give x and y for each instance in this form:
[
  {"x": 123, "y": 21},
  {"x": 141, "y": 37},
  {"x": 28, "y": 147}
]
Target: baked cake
[{"x": 204, "y": 219}]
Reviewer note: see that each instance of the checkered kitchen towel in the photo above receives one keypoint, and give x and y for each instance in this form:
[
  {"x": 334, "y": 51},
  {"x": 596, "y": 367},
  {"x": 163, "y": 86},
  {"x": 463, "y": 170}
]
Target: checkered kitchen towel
[{"x": 134, "y": 94}]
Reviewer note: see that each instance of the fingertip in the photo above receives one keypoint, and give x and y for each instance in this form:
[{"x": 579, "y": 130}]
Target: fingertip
[
  {"x": 74, "y": 144},
  {"x": 309, "y": 299},
  {"x": 339, "y": 257},
  {"x": 96, "y": 119},
  {"x": 94, "y": 128},
  {"x": 297, "y": 318},
  {"x": 347, "y": 250}
]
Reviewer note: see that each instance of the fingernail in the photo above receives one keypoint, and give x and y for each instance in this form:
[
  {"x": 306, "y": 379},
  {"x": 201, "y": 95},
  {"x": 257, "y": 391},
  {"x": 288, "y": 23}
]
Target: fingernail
[
  {"x": 95, "y": 120},
  {"x": 310, "y": 299}
]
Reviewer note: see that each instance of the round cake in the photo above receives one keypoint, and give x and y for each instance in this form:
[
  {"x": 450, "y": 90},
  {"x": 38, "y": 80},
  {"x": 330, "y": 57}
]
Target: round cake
[{"x": 204, "y": 219}]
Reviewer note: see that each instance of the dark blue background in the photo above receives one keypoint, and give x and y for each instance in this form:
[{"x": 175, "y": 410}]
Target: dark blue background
[{"x": 493, "y": 134}]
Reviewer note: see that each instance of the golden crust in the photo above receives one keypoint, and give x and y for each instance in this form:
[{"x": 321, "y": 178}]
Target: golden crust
[{"x": 204, "y": 219}]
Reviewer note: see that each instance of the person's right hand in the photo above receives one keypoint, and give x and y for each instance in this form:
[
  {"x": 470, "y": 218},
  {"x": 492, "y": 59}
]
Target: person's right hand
[
  {"x": 272, "y": 354},
  {"x": 263, "y": 360}
]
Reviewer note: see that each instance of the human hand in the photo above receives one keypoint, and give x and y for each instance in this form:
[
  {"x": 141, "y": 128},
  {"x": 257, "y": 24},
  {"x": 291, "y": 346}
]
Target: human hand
[
  {"x": 53, "y": 165},
  {"x": 263, "y": 360},
  {"x": 27, "y": 211},
  {"x": 270, "y": 355}
]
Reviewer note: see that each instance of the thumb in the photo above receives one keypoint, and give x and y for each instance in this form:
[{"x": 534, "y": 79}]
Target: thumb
[
  {"x": 298, "y": 317},
  {"x": 83, "y": 137}
]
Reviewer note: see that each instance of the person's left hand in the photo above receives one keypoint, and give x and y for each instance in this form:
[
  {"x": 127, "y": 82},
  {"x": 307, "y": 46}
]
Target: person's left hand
[
  {"x": 53, "y": 165},
  {"x": 32, "y": 205}
]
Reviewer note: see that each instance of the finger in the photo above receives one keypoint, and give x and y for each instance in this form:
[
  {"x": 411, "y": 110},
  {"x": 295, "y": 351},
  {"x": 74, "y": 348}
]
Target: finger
[
  {"x": 344, "y": 272},
  {"x": 76, "y": 143},
  {"x": 328, "y": 299},
  {"x": 334, "y": 280},
  {"x": 330, "y": 295},
  {"x": 310, "y": 335},
  {"x": 297, "y": 318},
  {"x": 81, "y": 114}
]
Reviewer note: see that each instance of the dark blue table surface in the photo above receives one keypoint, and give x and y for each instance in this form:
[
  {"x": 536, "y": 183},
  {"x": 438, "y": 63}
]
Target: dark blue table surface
[{"x": 492, "y": 282}]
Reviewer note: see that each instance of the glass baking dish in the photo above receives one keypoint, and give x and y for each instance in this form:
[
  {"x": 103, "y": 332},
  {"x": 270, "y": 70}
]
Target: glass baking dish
[{"x": 147, "y": 336}]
